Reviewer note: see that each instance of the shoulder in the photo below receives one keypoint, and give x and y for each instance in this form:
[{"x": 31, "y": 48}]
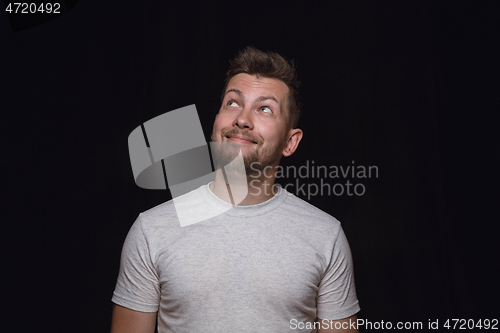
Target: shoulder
[
  {"x": 309, "y": 218},
  {"x": 166, "y": 215},
  {"x": 159, "y": 226},
  {"x": 163, "y": 213},
  {"x": 304, "y": 209}
]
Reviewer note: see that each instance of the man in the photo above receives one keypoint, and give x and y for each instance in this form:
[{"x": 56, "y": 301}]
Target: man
[{"x": 271, "y": 263}]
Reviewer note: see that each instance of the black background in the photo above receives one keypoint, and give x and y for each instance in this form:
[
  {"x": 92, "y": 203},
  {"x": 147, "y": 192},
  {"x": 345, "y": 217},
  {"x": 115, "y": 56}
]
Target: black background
[{"x": 410, "y": 87}]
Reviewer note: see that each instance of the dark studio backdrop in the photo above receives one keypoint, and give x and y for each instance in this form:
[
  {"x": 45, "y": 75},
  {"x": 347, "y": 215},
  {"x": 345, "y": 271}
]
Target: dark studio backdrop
[{"x": 409, "y": 87}]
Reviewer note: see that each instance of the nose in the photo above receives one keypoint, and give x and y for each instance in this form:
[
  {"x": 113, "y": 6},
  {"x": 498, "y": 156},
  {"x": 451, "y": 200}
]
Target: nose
[{"x": 244, "y": 119}]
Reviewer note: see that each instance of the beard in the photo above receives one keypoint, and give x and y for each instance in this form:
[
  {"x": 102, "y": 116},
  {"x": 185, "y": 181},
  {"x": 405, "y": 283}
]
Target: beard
[{"x": 255, "y": 159}]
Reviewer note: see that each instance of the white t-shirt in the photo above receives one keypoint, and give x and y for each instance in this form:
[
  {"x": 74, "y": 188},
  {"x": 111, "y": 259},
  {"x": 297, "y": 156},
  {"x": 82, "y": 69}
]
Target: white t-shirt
[{"x": 270, "y": 267}]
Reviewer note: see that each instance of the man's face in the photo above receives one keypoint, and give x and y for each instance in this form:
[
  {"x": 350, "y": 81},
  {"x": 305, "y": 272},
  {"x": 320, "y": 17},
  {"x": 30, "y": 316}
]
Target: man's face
[{"x": 253, "y": 116}]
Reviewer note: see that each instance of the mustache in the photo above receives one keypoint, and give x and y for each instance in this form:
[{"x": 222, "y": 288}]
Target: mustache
[{"x": 244, "y": 134}]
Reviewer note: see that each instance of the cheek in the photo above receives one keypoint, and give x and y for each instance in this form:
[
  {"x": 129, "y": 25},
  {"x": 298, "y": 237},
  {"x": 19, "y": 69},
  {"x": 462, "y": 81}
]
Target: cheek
[
  {"x": 222, "y": 120},
  {"x": 219, "y": 124},
  {"x": 272, "y": 134}
]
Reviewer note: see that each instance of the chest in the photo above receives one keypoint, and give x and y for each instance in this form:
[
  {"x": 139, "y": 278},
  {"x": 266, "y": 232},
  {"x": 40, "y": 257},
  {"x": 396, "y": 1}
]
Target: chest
[{"x": 280, "y": 269}]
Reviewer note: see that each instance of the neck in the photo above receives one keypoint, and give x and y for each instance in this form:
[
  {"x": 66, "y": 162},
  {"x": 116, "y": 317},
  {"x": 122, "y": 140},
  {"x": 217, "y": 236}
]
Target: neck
[{"x": 243, "y": 191}]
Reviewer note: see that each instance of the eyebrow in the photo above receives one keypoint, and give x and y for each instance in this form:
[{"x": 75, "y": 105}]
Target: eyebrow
[{"x": 258, "y": 99}]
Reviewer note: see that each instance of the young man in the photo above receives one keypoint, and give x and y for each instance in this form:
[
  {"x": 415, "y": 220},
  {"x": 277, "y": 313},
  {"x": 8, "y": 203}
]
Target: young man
[{"x": 271, "y": 263}]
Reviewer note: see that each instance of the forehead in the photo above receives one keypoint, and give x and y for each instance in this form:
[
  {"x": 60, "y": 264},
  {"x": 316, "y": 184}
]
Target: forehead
[{"x": 253, "y": 85}]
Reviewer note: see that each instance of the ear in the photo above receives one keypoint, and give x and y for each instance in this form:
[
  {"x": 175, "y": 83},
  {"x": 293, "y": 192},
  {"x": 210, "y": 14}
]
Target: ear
[{"x": 294, "y": 137}]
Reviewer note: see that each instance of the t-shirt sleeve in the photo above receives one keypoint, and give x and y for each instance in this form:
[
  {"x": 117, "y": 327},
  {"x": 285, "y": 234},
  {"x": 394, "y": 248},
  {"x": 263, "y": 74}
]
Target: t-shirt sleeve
[
  {"x": 137, "y": 287},
  {"x": 337, "y": 294}
]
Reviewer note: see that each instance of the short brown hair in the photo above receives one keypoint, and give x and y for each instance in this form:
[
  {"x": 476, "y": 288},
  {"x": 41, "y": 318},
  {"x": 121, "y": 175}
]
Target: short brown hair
[{"x": 270, "y": 65}]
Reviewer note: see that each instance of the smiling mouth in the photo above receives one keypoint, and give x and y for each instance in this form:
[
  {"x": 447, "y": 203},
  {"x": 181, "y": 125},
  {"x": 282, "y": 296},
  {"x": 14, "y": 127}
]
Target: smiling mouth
[{"x": 241, "y": 139}]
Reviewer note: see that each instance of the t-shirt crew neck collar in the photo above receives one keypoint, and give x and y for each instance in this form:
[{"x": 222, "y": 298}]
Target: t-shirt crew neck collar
[{"x": 243, "y": 211}]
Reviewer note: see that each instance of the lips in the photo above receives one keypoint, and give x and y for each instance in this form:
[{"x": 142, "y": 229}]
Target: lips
[{"x": 240, "y": 139}]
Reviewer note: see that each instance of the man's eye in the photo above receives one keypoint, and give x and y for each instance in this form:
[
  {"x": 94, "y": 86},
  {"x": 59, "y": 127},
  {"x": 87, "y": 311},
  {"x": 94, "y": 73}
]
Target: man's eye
[
  {"x": 232, "y": 103},
  {"x": 266, "y": 109}
]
